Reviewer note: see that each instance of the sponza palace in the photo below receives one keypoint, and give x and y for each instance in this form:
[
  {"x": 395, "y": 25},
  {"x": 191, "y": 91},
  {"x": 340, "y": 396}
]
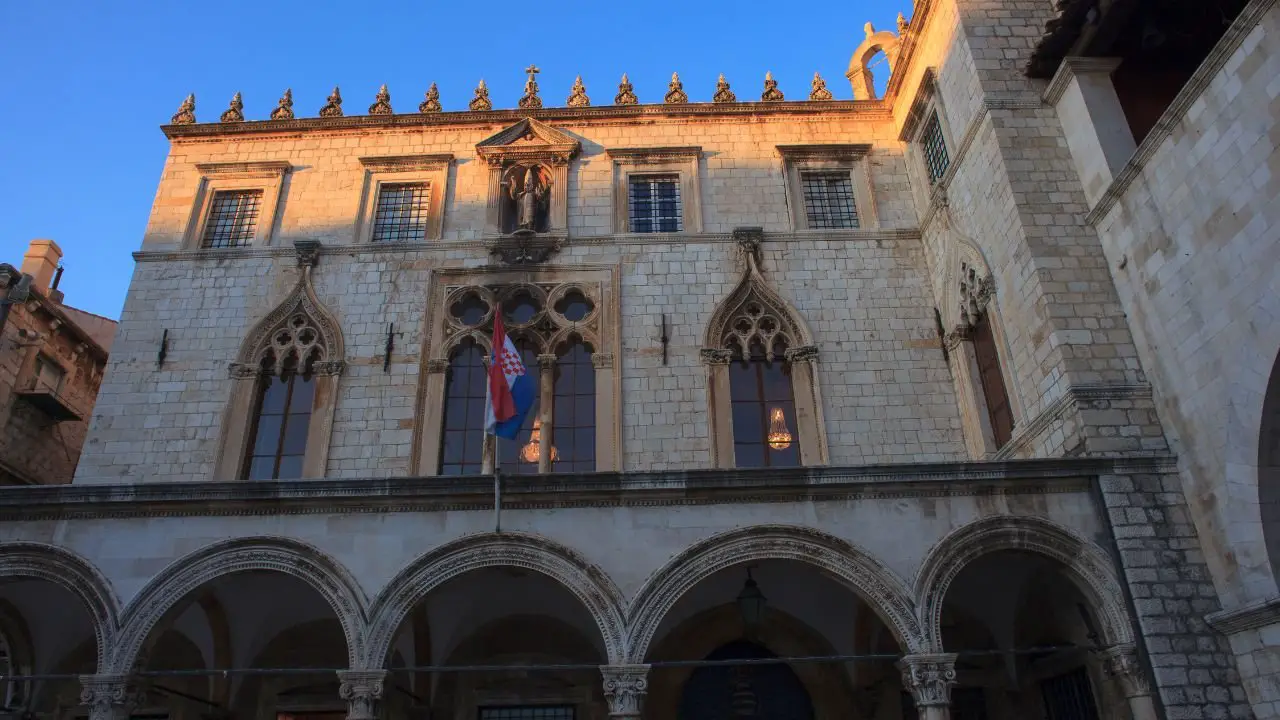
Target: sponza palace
[{"x": 957, "y": 402}]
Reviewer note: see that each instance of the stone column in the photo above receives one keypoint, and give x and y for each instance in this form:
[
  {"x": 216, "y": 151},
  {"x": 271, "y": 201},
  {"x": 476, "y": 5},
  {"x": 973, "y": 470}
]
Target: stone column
[
  {"x": 929, "y": 679},
  {"x": 546, "y": 401},
  {"x": 109, "y": 697},
  {"x": 1121, "y": 662},
  {"x": 809, "y": 418},
  {"x": 624, "y": 689},
  {"x": 362, "y": 689},
  {"x": 720, "y": 405}
]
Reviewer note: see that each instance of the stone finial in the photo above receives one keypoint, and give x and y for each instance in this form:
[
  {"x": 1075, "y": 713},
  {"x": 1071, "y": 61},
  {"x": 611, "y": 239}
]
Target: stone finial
[
  {"x": 481, "y": 100},
  {"x": 771, "y": 92},
  {"x": 431, "y": 103},
  {"x": 186, "y": 114},
  {"x": 333, "y": 108},
  {"x": 869, "y": 29},
  {"x": 723, "y": 93},
  {"x": 578, "y": 95},
  {"x": 675, "y": 91},
  {"x": 903, "y": 25},
  {"x": 819, "y": 91},
  {"x": 530, "y": 99},
  {"x": 381, "y": 102},
  {"x": 235, "y": 113},
  {"x": 285, "y": 109},
  {"x": 625, "y": 95}
]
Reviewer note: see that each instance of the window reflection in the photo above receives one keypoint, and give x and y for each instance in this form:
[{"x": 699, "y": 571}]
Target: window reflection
[
  {"x": 574, "y": 414},
  {"x": 763, "y": 409},
  {"x": 462, "y": 451},
  {"x": 282, "y": 419}
]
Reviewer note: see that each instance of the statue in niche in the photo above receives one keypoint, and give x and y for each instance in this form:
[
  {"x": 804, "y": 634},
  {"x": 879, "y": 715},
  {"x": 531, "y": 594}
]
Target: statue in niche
[{"x": 525, "y": 205}]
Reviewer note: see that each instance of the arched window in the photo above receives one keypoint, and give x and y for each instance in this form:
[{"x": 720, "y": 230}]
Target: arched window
[
  {"x": 462, "y": 446},
  {"x": 281, "y": 420},
  {"x": 574, "y": 410},
  {"x": 764, "y": 409}
]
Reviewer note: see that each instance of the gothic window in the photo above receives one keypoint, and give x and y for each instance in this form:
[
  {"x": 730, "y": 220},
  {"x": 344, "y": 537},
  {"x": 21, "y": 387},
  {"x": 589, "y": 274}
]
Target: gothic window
[
  {"x": 999, "y": 412},
  {"x": 282, "y": 419},
  {"x": 764, "y": 411},
  {"x": 401, "y": 215},
  {"x": 654, "y": 204},
  {"x": 233, "y": 218},
  {"x": 462, "y": 447},
  {"x": 934, "y": 147},
  {"x": 972, "y": 349},
  {"x": 574, "y": 388},
  {"x": 828, "y": 200}
]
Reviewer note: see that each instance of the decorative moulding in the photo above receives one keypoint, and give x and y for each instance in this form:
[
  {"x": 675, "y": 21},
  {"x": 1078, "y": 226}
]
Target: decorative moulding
[
  {"x": 654, "y": 154},
  {"x": 528, "y": 139},
  {"x": 406, "y": 163},
  {"x": 1250, "y": 617},
  {"x": 261, "y": 167},
  {"x": 824, "y": 152},
  {"x": 1073, "y": 66}
]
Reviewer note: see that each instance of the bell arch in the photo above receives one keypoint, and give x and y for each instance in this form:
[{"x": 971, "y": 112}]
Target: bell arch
[{"x": 858, "y": 73}]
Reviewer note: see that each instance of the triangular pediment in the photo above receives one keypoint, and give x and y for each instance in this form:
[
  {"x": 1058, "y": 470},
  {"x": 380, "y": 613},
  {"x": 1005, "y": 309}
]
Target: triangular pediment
[{"x": 529, "y": 136}]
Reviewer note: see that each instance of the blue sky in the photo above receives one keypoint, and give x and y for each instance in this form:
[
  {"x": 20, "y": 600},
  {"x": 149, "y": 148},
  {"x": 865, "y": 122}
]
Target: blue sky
[{"x": 87, "y": 84}]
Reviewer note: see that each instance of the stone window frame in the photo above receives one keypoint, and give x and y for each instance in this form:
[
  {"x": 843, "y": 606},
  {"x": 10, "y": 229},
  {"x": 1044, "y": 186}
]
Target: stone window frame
[
  {"x": 529, "y": 142},
  {"x": 396, "y": 169},
  {"x": 801, "y": 353},
  {"x": 267, "y": 176},
  {"x": 601, "y": 283},
  {"x": 799, "y": 159},
  {"x": 246, "y": 375},
  {"x": 927, "y": 104},
  {"x": 683, "y": 162}
]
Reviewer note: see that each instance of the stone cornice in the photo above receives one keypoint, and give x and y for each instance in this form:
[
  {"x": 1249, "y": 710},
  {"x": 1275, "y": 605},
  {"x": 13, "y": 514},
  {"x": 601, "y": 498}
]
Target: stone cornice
[
  {"x": 261, "y": 167},
  {"x": 1250, "y": 617},
  {"x": 694, "y": 487},
  {"x": 655, "y": 154},
  {"x": 1058, "y": 409},
  {"x": 1071, "y": 67},
  {"x": 824, "y": 152},
  {"x": 404, "y": 163}
]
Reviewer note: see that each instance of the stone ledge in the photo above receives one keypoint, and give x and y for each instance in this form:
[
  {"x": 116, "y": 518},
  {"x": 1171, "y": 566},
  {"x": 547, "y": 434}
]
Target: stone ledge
[{"x": 1250, "y": 617}]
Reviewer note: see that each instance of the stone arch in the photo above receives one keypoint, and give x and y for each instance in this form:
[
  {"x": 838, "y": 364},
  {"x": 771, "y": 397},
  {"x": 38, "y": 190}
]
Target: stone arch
[
  {"x": 275, "y": 554},
  {"x": 870, "y": 579},
  {"x": 593, "y": 588},
  {"x": 70, "y": 571},
  {"x": 858, "y": 73},
  {"x": 1269, "y": 469},
  {"x": 753, "y": 288},
  {"x": 301, "y": 305},
  {"x": 1088, "y": 567}
]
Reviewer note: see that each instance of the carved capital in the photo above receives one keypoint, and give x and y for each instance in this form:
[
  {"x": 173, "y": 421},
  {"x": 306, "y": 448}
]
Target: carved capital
[
  {"x": 976, "y": 291},
  {"x": 715, "y": 356},
  {"x": 362, "y": 689},
  {"x": 1121, "y": 662},
  {"x": 547, "y": 361},
  {"x": 329, "y": 367},
  {"x": 624, "y": 689},
  {"x": 804, "y": 353},
  {"x": 308, "y": 252},
  {"x": 601, "y": 360},
  {"x": 242, "y": 371},
  {"x": 929, "y": 678},
  {"x": 952, "y": 340},
  {"x": 109, "y": 697},
  {"x": 437, "y": 366}
]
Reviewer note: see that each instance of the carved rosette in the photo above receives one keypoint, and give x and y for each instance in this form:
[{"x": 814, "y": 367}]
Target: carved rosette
[
  {"x": 675, "y": 91},
  {"x": 109, "y": 697},
  {"x": 362, "y": 689},
  {"x": 481, "y": 101},
  {"x": 624, "y": 689},
  {"x": 234, "y": 113},
  {"x": 818, "y": 90},
  {"x": 1121, "y": 662},
  {"x": 626, "y": 94},
  {"x": 771, "y": 92},
  {"x": 381, "y": 102},
  {"x": 929, "y": 678},
  {"x": 723, "y": 94},
  {"x": 578, "y": 95},
  {"x": 431, "y": 103},
  {"x": 186, "y": 114},
  {"x": 333, "y": 108},
  {"x": 284, "y": 110}
]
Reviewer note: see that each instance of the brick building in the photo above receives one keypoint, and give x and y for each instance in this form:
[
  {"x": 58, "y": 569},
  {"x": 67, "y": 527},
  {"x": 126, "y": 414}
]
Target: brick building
[{"x": 963, "y": 394}]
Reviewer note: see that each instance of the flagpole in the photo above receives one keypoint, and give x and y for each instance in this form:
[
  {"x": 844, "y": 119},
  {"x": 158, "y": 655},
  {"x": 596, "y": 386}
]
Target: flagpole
[{"x": 497, "y": 486}]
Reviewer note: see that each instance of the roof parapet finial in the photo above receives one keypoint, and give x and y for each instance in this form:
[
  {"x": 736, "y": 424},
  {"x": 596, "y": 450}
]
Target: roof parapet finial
[
  {"x": 818, "y": 91},
  {"x": 771, "y": 92},
  {"x": 284, "y": 111},
  {"x": 530, "y": 99},
  {"x": 234, "y": 113},
  {"x": 186, "y": 114},
  {"x": 626, "y": 94},
  {"x": 903, "y": 25},
  {"x": 578, "y": 95},
  {"x": 333, "y": 108},
  {"x": 431, "y": 102},
  {"x": 381, "y": 102},
  {"x": 481, "y": 101},
  {"x": 723, "y": 93},
  {"x": 675, "y": 91},
  {"x": 869, "y": 29}
]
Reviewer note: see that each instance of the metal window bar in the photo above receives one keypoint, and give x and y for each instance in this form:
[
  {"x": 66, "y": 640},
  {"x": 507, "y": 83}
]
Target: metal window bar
[
  {"x": 654, "y": 204},
  {"x": 527, "y": 712},
  {"x": 828, "y": 200},
  {"x": 935, "y": 148},
  {"x": 401, "y": 213},
  {"x": 233, "y": 218},
  {"x": 1069, "y": 696}
]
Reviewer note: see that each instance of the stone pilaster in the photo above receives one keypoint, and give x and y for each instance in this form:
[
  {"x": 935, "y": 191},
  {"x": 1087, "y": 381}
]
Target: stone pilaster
[
  {"x": 1121, "y": 662},
  {"x": 109, "y": 697},
  {"x": 625, "y": 687},
  {"x": 362, "y": 689},
  {"x": 929, "y": 679}
]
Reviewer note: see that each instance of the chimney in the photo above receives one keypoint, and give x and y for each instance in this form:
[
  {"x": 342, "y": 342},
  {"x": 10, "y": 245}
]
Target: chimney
[{"x": 40, "y": 262}]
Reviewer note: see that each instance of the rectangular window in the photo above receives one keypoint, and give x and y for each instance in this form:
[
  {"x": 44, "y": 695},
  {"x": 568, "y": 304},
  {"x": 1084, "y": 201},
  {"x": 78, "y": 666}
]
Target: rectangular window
[
  {"x": 401, "y": 215},
  {"x": 654, "y": 204},
  {"x": 233, "y": 218},
  {"x": 527, "y": 712},
  {"x": 934, "y": 146},
  {"x": 49, "y": 375},
  {"x": 828, "y": 200}
]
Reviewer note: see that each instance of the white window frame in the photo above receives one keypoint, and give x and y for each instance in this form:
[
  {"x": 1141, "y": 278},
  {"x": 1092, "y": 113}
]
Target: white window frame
[
  {"x": 851, "y": 159},
  {"x": 398, "y": 169},
  {"x": 267, "y": 176},
  {"x": 680, "y": 161}
]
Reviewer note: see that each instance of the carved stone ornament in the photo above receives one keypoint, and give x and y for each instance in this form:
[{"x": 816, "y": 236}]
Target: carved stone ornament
[
  {"x": 381, "y": 102},
  {"x": 1121, "y": 662},
  {"x": 436, "y": 366},
  {"x": 481, "y": 101},
  {"x": 530, "y": 99},
  {"x": 601, "y": 360},
  {"x": 109, "y": 697},
  {"x": 333, "y": 108},
  {"x": 771, "y": 92},
  {"x": 723, "y": 94},
  {"x": 818, "y": 91},
  {"x": 929, "y": 678},
  {"x": 578, "y": 94},
  {"x": 186, "y": 114},
  {"x": 431, "y": 103},
  {"x": 675, "y": 91},
  {"x": 624, "y": 689},
  {"x": 952, "y": 340},
  {"x": 284, "y": 110},
  {"x": 903, "y": 25},
  {"x": 975, "y": 293},
  {"x": 626, "y": 95},
  {"x": 235, "y": 113},
  {"x": 804, "y": 353},
  {"x": 715, "y": 356},
  {"x": 308, "y": 252},
  {"x": 298, "y": 332},
  {"x": 524, "y": 248},
  {"x": 362, "y": 689}
]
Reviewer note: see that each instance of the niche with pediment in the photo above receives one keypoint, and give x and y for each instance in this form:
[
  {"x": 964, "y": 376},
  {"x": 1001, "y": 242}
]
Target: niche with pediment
[{"x": 528, "y": 179}]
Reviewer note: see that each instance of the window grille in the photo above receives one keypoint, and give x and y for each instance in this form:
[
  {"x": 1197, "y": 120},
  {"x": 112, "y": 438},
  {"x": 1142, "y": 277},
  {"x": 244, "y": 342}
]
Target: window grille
[
  {"x": 654, "y": 204},
  {"x": 233, "y": 218},
  {"x": 935, "y": 148},
  {"x": 1069, "y": 697},
  {"x": 401, "y": 214},
  {"x": 828, "y": 200},
  {"x": 528, "y": 712}
]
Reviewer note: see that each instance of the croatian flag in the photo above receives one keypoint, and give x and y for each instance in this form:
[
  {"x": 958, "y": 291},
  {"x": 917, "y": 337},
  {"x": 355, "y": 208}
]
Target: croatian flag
[{"x": 511, "y": 391}]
